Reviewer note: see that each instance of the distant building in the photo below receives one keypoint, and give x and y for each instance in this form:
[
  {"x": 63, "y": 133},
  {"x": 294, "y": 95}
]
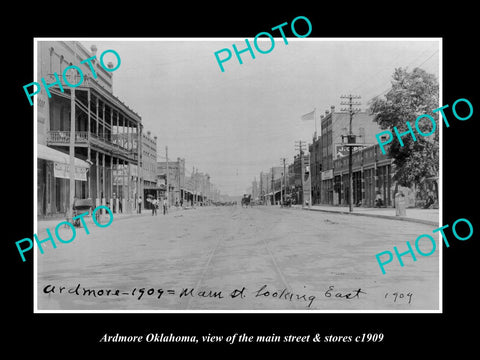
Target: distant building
[
  {"x": 295, "y": 174},
  {"x": 149, "y": 169},
  {"x": 174, "y": 179},
  {"x": 199, "y": 189},
  {"x": 269, "y": 185},
  {"x": 275, "y": 176},
  {"x": 255, "y": 189},
  {"x": 264, "y": 187}
]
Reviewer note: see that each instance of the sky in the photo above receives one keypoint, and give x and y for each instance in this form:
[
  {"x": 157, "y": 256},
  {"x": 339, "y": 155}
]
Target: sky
[{"x": 237, "y": 123}]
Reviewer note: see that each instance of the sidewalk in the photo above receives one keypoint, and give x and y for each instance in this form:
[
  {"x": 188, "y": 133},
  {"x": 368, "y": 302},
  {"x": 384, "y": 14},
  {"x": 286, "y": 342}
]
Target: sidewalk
[
  {"x": 424, "y": 216},
  {"x": 51, "y": 223}
]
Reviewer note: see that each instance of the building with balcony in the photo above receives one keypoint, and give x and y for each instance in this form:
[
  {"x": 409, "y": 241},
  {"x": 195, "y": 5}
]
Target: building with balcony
[{"x": 106, "y": 133}]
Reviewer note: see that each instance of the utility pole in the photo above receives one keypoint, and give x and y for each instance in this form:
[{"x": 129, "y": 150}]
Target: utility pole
[
  {"x": 273, "y": 190},
  {"x": 301, "y": 147},
  {"x": 261, "y": 186},
  {"x": 167, "y": 183},
  {"x": 283, "y": 187},
  {"x": 178, "y": 182},
  {"x": 72, "y": 140},
  {"x": 351, "y": 140},
  {"x": 194, "y": 196},
  {"x": 308, "y": 185}
]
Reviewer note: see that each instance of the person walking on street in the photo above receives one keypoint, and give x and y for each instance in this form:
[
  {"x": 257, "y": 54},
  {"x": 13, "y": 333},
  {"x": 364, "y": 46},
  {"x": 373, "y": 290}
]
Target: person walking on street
[
  {"x": 164, "y": 206},
  {"x": 140, "y": 204},
  {"x": 154, "y": 206},
  {"x": 378, "y": 200}
]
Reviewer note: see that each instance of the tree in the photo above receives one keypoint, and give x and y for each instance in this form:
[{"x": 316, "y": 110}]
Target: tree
[{"x": 412, "y": 94}]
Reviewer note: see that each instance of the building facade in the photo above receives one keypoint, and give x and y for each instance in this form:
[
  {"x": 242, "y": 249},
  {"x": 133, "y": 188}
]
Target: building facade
[
  {"x": 199, "y": 190},
  {"x": 275, "y": 176},
  {"x": 173, "y": 175},
  {"x": 264, "y": 187},
  {"x": 295, "y": 172},
  {"x": 150, "y": 188},
  {"x": 329, "y": 146},
  {"x": 372, "y": 178},
  {"x": 315, "y": 150},
  {"x": 268, "y": 188},
  {"x": 106, "y": 132},
  {"x": 255, "y": 190}
]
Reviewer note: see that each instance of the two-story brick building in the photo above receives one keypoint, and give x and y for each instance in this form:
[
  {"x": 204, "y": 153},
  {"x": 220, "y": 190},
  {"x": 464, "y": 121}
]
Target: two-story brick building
[{"x": 330, "y": 145}]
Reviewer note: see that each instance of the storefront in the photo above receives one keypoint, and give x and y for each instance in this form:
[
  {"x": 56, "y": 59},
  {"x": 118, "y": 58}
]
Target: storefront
[
  {"x": 153, "y": 192},
  {"x": 327, "y": 187},
  {"x": 384, "y": 184},
  {"x": 372, "y": 179},
  {"x": 53, "y": 181},
  {"x": 369, "y": 184}
]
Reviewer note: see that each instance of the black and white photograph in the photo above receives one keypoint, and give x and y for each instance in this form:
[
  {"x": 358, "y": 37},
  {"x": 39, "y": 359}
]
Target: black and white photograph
[
  {"x": 265, "y": 175},
  {"x": 220, "y": 180}
]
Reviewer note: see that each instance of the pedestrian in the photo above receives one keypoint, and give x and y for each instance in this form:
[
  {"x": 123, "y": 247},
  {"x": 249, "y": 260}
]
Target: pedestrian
[
  {"x": 154, "y": 206},
  {"x": 430, "y": 200},
  {"x": 181, "y": 203},
  {"x": 164, "y": 206},
  {"x": 140, "y": 204}
]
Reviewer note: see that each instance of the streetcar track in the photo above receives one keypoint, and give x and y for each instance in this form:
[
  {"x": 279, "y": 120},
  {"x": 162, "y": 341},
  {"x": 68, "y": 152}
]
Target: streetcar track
[
  {"x": 265, "y": 229},
  {"x": 190, "y": 300},
  {"x": 205, "y": 268},
  {"x": 276, "y": 267}
]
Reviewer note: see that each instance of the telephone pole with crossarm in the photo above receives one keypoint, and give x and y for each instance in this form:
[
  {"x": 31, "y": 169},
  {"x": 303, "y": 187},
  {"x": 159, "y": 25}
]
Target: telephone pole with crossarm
[{"x": 351, "y": 141}]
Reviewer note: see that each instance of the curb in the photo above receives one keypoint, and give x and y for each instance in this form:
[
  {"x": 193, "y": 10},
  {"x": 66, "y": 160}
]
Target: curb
[{"x": 390, "y": 217}]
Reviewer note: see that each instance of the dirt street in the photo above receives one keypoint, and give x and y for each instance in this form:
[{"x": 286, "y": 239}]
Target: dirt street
[{"x": 234, "y": 258}]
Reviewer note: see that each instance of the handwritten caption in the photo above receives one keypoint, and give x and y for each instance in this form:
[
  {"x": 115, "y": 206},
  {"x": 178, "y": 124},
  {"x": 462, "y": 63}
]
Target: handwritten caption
[
  {"x": 244, "y": 338},
  {"x": 262, "y": 292}
]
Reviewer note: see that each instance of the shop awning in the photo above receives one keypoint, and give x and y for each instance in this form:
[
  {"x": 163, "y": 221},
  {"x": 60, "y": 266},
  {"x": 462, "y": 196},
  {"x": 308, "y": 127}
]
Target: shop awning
[
  {"x": 61, "y": 163},
  {"x": 47, "y": 153}
]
